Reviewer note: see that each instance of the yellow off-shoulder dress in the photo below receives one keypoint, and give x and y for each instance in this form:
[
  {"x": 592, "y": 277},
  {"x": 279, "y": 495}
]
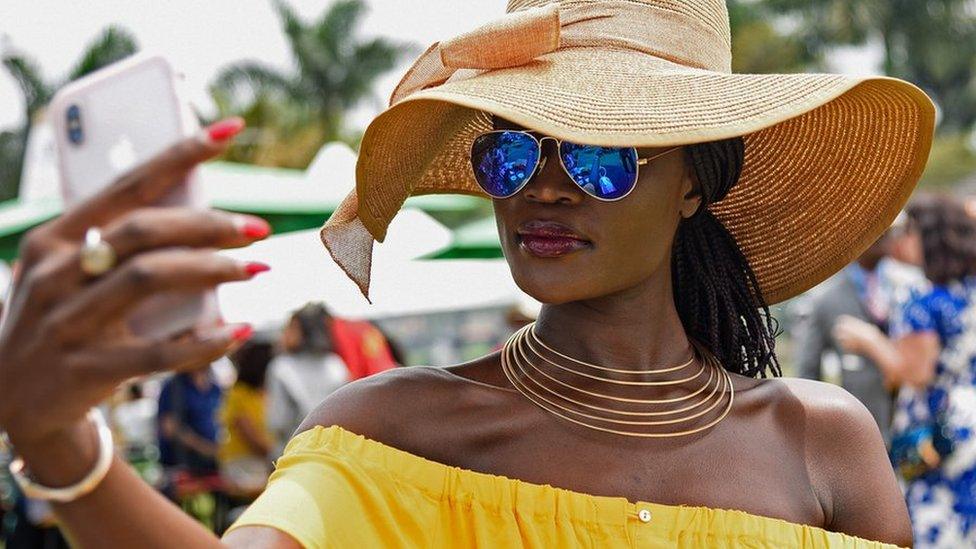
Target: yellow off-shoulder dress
[{"x": 334, "y": 488}]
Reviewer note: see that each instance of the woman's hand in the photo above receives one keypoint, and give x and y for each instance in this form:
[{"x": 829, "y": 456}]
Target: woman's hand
[
  {"x": 64, "y": 345},
  {"x": 855, "y": 335}
]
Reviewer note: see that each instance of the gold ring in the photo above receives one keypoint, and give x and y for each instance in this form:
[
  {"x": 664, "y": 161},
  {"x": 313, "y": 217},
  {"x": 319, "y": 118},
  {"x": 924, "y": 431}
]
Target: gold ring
[{"x": 97, "y": 256}]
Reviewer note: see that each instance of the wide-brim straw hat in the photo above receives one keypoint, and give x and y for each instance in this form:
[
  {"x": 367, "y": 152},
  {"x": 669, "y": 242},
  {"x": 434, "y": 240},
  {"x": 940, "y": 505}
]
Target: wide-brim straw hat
[{"x": 829, "y": 159}]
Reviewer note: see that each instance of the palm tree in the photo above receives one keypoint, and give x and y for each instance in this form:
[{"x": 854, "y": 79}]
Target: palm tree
[
  {"x": 292, "y": 113},
  {"x": 112, "y": 44}
]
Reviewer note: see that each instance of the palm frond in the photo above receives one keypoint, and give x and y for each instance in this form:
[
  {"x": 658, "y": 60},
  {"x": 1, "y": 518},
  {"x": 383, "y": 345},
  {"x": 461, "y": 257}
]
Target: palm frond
[
  {"x": 291, "y": 23},
  {"x": 28, "y": 76},
  {"x": 254, "y": 77},
  {"x": 113, "y": 44},
  {"x": 367, "y": 63},
  {"x": 338, "y": 24}
]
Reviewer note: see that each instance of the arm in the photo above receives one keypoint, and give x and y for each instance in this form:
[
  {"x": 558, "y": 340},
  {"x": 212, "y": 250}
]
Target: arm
[
  {"x": 126, "y": 512},
  {"x": 910, "y": 359},
  {"x": 64, "y": 347},
  {"x": 171, "y": 428},
  {"x": 849, "y": 468}
]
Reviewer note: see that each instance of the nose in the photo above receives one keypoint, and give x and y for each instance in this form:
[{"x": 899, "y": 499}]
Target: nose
[{"x": 551, "y": 184}]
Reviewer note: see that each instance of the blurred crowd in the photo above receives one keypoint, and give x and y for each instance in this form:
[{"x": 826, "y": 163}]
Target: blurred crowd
[
  {"x": 208, "y": 438},
  {"x": 897, "y": 328}
]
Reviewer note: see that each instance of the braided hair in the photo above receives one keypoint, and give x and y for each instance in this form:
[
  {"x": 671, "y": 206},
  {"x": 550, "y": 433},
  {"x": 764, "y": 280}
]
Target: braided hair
[{"x": 715, "y": 290}]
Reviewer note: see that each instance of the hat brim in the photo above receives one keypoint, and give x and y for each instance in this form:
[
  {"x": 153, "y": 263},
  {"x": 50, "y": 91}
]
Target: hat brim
[{"x": 830, "y": 159}]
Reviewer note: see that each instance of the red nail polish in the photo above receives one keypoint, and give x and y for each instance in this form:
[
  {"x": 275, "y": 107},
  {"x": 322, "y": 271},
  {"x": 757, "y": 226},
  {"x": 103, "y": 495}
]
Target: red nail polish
[
  {"x": 255, "y": 228},
  {"x": 225, "y": 129},
  {"x": 242, "y": 333},
  {"x": 255, "y": 267}
]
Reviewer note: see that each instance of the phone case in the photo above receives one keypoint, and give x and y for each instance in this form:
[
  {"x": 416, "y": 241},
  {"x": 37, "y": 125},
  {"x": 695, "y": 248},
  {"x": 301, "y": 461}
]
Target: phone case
[{"x": 106, "y": 124}]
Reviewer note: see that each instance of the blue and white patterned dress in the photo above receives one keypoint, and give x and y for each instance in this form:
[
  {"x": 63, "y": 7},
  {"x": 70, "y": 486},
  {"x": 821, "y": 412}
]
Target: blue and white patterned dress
[{"x": 942, "y": 502}]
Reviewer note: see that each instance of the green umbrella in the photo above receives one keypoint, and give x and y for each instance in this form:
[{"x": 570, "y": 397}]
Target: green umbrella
[
  {"x": 286, "y": 198},
  {"x": 476, "y": 240}
]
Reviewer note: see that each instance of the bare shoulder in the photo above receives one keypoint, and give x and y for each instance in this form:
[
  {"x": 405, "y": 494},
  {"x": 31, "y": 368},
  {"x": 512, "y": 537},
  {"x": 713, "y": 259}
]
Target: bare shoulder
[
  {"x": 830, "y": 408},
  {"x": 846, "y": 460},
  {"x": 817, "y": 404},
  {"x": 833, "y": 422},
  {"x": 396, "y": 407}
]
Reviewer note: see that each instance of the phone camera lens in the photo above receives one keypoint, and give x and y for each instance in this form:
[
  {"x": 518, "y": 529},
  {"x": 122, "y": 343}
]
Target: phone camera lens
[{"x": 75, "y": 133}]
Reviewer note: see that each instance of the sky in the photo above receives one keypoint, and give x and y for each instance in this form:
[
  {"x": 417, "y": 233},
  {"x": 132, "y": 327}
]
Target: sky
[{"x": 202, "y": 37}]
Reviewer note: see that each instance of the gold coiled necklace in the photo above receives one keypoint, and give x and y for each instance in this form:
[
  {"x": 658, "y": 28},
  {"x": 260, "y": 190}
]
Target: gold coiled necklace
[{"x": 524, "y": 355}]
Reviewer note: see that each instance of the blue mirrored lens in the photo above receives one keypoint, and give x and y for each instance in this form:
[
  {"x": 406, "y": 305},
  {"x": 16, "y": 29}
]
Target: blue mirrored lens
[
  {"x": 504, "y": 161},
  {"x": 604, "y": 172}
]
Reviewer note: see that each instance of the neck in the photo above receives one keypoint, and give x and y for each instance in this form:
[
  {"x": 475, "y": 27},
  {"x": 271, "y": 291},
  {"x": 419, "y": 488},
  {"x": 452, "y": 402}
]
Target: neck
[{"x": 637, "y": 328}]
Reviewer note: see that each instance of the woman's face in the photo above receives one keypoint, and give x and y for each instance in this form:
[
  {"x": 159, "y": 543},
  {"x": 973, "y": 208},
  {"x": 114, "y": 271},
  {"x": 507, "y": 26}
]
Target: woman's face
[{"x": 562, "y": 245}]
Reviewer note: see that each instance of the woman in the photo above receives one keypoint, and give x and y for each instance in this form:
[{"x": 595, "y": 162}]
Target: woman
[
  {"x": 654, "y": 257},
  {"x": 245, "y": 451},
  {"x": 932, "y": 356},
  {"x": 307, "y": 371}
]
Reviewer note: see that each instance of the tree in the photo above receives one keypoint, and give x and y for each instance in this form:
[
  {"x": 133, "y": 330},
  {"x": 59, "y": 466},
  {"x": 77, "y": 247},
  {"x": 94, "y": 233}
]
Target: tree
[
  {"x": 292, "y": 113},
  {"x": 929, "y": 42},
  {"x": 111, "y": 45},
  {"x": 758, "y": 47}
]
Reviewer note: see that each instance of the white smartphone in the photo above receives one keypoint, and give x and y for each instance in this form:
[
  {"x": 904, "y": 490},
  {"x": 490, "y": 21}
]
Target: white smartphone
[{"x": 107, "y": 123}]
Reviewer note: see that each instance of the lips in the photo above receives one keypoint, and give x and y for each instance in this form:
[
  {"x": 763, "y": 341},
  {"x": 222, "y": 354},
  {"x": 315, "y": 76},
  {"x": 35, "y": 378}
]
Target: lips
[{"x": 549, "y": 239}]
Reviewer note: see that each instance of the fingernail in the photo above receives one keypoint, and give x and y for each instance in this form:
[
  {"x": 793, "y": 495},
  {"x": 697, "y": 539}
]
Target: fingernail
[
  {"x": 253, "y": 227},
  {"x": 225, "y": 129},
  {"x": 242, "y": 333},
  {"x": 254, "y": 267}
]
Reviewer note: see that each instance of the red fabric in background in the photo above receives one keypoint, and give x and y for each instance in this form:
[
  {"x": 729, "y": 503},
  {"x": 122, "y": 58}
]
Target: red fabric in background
[{"x": 362, "y": 346}]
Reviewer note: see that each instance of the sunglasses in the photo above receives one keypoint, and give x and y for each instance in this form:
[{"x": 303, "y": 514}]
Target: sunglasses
[{"x": 505, "y": 160}]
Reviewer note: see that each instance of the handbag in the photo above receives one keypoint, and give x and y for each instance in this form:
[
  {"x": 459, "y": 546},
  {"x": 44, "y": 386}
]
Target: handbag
[{"x": 921, "y": 449}]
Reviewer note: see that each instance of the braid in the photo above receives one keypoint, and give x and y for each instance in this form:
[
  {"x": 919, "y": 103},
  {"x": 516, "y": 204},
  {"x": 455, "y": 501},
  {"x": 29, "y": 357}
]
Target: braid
[{"x": 715, "y": 290}]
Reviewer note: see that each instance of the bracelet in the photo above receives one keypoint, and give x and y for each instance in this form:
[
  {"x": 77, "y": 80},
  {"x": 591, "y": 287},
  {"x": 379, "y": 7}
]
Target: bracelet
[{"x": 34, "y": 490}]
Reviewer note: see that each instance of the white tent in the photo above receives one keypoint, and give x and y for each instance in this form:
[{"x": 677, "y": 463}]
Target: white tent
[
  {"x": 321, "y": 187},
  {"x": 302, "y": 271}
]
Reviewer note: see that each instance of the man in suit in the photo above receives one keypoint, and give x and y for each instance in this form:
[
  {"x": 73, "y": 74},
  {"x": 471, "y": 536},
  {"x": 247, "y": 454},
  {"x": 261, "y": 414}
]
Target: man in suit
[{"x": 862, "y": 290}]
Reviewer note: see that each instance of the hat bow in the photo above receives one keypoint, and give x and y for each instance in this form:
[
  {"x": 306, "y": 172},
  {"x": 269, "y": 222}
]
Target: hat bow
[{"x": 522, "y": 36}]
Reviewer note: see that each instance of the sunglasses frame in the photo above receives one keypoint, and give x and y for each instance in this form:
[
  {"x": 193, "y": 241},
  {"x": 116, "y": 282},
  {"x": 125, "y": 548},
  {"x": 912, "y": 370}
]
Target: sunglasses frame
[{"x": 542, "y": 162}]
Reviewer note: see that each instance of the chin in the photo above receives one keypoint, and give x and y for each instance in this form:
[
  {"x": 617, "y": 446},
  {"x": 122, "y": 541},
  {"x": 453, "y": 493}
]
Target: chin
[{"x": 552, "y": 286}]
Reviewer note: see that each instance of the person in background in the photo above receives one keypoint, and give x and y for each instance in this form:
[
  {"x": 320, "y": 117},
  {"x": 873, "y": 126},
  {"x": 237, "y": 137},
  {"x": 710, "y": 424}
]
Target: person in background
[
  {"x": 133, "y": 420},
  {"x": 133, "y": 417},
  {"x": 306, "y": 371},
  {"x": 397, "y": 354},
  {"x": 932, "y": 355},
  {"x": 859, "y": 291},
  {"x": 245, "y": 451},
  {"x": 187, "y": 422},
  {"x": 363, "y": 347}
]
